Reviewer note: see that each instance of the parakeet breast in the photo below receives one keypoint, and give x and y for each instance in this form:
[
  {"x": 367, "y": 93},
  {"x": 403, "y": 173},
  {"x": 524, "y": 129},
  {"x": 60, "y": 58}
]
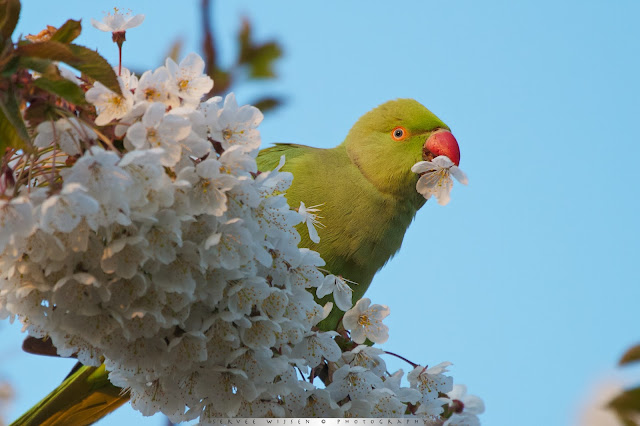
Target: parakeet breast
[{"x": 363, "y": 227}]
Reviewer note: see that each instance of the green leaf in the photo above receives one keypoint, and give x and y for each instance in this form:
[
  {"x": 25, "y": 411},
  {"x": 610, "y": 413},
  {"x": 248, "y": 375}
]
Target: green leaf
[
  {"x": 258, "y": 57},
  {"x": 267, "y": 104},
  {"x": 9, "y": 15},
  {"x": 8, "y": 134},
  {"x": 62, "y": 87},
  {"x": 96, "y": 67},
  {"x": 262, "y": 61},
  {"x": 8, "y": 64},
  {"x": 13, "y": 131},
  {"x": 68, "y": 32},
  {"x": 43, "y": 66},
  {"x": 85, "y": 60},
  {"x": 631, "y": 355}
]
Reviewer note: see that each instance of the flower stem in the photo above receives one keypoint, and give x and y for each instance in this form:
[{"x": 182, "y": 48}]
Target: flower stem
[
  {"x": 119, "y": 59},
  {"x": 413, "y": 364}
]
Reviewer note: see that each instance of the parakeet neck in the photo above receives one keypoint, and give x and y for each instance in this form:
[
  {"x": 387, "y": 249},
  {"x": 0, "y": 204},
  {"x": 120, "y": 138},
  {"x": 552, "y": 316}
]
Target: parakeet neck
[
  {"x": 399, "y": 184},
  {"x": 364, "y": 226}
]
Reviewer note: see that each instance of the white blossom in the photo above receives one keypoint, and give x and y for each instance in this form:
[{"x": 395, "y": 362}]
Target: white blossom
[
  {"x": 368, "y": 357},
  {"x": 123, "y": 256},
  {"x": 365, "y": 322},
  {"x": 313, "y": 403},
  {"x": 233, "y": 125},
  {"x": 188, "y": 81},
  {"x": 98, "y": 172},
  {"x": 70, "y": 134},
  {"x": 117, "y": 21},
  {"x": 355, "y": 382},
  {"x": 64, "y": 212},
  {"x": 338, "y": 287},
  {"x": 466, "y": 407},
  {"x": 109, "y": 105},
  {"x": 311, "y": 219},
  {"x": 317, "y": 346},
  {"x": 436, "y": 179},
  {"x": 153, "y": 86},
  {"x": 16, "y": 220},
  {"x": 431, "y": 382},
  {"x": 129, "y": 79},
  {"x": 160, "y": 130},
  {"x": 208, "y": 187},
  {"x": 244, "y": 295},
  {"x": 404, "y": 394},
  {"x": 384, "y": 403}
]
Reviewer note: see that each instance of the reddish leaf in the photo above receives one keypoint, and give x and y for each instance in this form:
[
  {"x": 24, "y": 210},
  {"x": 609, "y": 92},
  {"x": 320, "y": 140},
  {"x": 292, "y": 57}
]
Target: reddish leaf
[
  {"x": 631, "y": 355},
  {"x": 267, "y": 104},
  {"x": 627, "y": 405}
]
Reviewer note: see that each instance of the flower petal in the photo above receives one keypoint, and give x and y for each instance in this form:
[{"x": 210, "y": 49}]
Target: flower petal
[
  {"x": 133, "y": 22},
  {"x": 459, "y": 175},
  {"x": 100, "y": 25},
  {"x": 423, "y": 166}
]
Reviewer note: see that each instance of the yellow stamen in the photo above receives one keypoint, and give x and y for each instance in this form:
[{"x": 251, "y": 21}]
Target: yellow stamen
[
  {"x": 116, "y": 100},
  {"x": 150, "y": 93},
  {"x": 364, "y": 320},
  {"x": 205, "y": 186},
  {"x": 152, "y": 136}
]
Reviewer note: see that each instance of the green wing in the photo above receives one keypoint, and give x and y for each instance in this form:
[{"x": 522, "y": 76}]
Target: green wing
[{"x": 269, "y": 158}]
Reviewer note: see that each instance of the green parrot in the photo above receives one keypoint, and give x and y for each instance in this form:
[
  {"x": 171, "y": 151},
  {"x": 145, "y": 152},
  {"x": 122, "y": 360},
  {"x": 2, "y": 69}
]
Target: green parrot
[
  {"x": 367, "y": 195},
  {"x": 365, "y": 188}
]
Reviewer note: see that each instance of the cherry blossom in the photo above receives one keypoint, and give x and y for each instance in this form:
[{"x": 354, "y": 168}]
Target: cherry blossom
[
  {"x": 188, "y": 81},
  {"x": 117, "y": 21},
  {"x": 311, "y": 218},
  {"x": 341, "y": 291},
  {"x": 436, "y": 179},
  {"x": 70, "y": 134},
  {"x": 365, "y": 322}
]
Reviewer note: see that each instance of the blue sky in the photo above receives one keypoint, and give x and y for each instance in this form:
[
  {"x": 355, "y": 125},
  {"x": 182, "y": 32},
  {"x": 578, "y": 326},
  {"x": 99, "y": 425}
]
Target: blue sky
[{"x": 528, "y": 280}]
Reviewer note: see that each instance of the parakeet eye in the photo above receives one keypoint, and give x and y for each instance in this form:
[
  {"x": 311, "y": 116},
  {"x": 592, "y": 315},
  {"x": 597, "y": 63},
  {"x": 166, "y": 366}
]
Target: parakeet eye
[{"x": 399, "y": 133}]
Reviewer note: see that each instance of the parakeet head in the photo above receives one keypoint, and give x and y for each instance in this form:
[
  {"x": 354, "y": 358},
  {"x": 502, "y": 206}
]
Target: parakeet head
[{"x": 385, "y": 142}]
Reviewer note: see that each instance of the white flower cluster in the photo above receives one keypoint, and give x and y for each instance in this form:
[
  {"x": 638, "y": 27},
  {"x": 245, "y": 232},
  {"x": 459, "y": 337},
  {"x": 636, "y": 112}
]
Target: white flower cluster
[{"x": 176, "y": 263}]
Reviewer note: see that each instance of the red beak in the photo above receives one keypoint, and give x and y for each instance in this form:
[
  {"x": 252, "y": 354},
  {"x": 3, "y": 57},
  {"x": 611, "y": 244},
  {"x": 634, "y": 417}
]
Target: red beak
[{"x": 442, "y": 142}]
